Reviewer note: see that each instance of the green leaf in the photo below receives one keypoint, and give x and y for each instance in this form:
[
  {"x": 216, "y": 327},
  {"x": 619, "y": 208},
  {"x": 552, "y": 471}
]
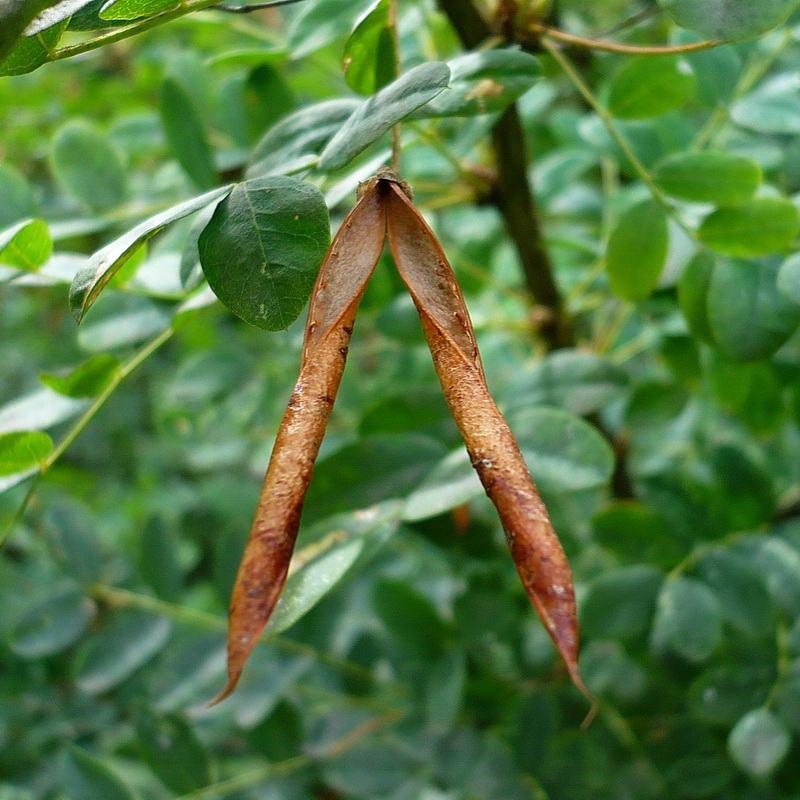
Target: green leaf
[
  {"x": 789, "y": 278},
  {"x": 688, "y": 619},
  {"x": 85, "y": 777},
  {"x": 483, "y": 82},
  {"x": 647, "y": 87},
  {"x": 375, "y": 116},
  {"x": 326, "y": 553},
  {"x": 709, "y": 177},
  {"x": 17, "y": 200},
  {"x": 779, "y": 563},
  {"x": 637, "y": 533},
  {"x": 262, "y": 249},
  {"x": 54, "y": 13},
  {"x": 726, "y": 20},
  {"x": 26, "y": 245},
  {"x": 86, "y": 380},
  {"x": 759, "y": 742},
  {"x": 762, "y": 226},
  {"x": 563, "y": 452},
  {"x": 110, "y": 656},
  {"x": 134, "y": 9},
  {"x": 750, "y": 498},
  {"x": 620, "y": 603},
  {"x": 158, "y": 561},
  {"x": 73, "y": 541},
  {"x": 772, "y": 108},
  {"x": 301, "y": 135},
  {"x": 186, "y": 134},
  {"x": 370, "y": 60},
  {"x": 173, "y": 751},
  {"x": 637, "y": 251},
  {"x": 451, "y": 483},
  {"x": 88, "y": 165},
  {"x": 105, "y": 263},
  {"x": 749, "y": 317},
  {"x": 444, "y": 690},
  {"x": 410, "y": 618},
  {"x": 21, "y": 451},
  {"x": 722, "y": 694},
  {"x": 741, "y": 591},
  {"x": 370, "y": 470},
  {"x": 574, "y": 380},
  {"x": 14, "y": 16},
  {"x": 320, "y": 23},
  {"x": 693, "y": 288},
  {"x": 37, "y": 411},
  {"x": 53, "y": 624},
  {"x": 31, "y": 52}
]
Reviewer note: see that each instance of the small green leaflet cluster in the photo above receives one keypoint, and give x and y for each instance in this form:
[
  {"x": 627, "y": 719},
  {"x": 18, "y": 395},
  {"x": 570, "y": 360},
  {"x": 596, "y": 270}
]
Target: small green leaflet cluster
[{"x": 740, "y": 241}]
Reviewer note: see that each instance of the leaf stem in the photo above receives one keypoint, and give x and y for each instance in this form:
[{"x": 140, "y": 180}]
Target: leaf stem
[
  {"x": 617, "y": 47},
  {"x": 611, "y": 126},
  {"x": 131, "y": 30},
  {"x": 72, "y": 434},
  {"x": 396, "y": 130},
  {"x": 124, "y": 598},
  {"x": 333, "y": 750}
]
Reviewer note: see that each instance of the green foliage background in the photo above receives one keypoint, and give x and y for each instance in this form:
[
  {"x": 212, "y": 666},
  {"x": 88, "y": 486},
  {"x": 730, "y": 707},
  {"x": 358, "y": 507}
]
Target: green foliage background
[{"x": 405, "y": 661}]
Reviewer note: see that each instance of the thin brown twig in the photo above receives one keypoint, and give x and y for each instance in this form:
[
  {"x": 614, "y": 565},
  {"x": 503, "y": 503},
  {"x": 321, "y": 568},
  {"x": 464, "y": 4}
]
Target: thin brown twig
[{"x": 618, "y": 47}]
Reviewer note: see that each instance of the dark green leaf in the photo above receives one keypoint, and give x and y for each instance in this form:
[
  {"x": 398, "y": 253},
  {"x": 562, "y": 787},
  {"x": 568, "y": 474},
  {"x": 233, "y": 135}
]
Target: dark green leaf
[
  {"x": 262, "y": 249},
  {"x": 763, "y": 225},
  {"x": 620, "y": 603},
  {"x": 648, "y": 87},
  {"x": 759, "y": 742},
  {"x": 186, "y": 134},
  {"x": 71, "y": 533},
  {"x": 637, "y": 532},
  {"x": 53, "y": 624},
  {"x": 320, "y": 23},
  {"x": 723, "y": 19},
  {"x": 31, "y": 52},
  {"x": 444, "y": 690},
  {"x": 483, "y": 82},
  {"x": 410, "y": 619},
  {"x": 709, "y": 177},
  {"x": 88, "y": 166},
  {"x": 688, "y": 619},
  {"x": 693, "y": 294},
  {"x": 336, "y": 545},
  {"x": 86, "y": 380},
  {"x": 88, "y": 778},
  {"x": 749, "y": 317},
  {"x": 741, "y": 591},
  {"x": 300, "y": 136},
  {"x": 370, "y": 60},
  {"x": 105, "y": 263},
  {"x": 375, "y": 116},
  {"x": 637, "y": 251},
  {"x": 110, "y": 656},
  {"x": 789, "y": 278},
  {"x": 158, "y": 560},
  {"x": 17, "y": 200},
  {"x": 172, "y": 750},
  {"x": 53, "y": 14}
]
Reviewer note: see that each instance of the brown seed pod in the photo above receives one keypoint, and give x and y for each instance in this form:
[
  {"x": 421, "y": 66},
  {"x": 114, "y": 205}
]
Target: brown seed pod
[
  {"x": 344, "y": 273},
  {"x": 535, "y": 548},
  {"x": 385, "y": 208}
]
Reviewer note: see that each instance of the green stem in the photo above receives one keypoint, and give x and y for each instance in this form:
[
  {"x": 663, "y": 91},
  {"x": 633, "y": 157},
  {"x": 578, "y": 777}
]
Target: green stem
[
  {"x": 757, "y": 69},
  {"x": 124, "y": 598},
  {"x": 615, "y": 132},
  {"x": 131, "y": 30},
  {"x": 75, "y": 431}
]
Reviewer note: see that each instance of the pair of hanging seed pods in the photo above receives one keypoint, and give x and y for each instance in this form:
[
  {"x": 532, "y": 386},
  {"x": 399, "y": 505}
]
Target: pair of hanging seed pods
[{"x": 384, "y": 208}]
